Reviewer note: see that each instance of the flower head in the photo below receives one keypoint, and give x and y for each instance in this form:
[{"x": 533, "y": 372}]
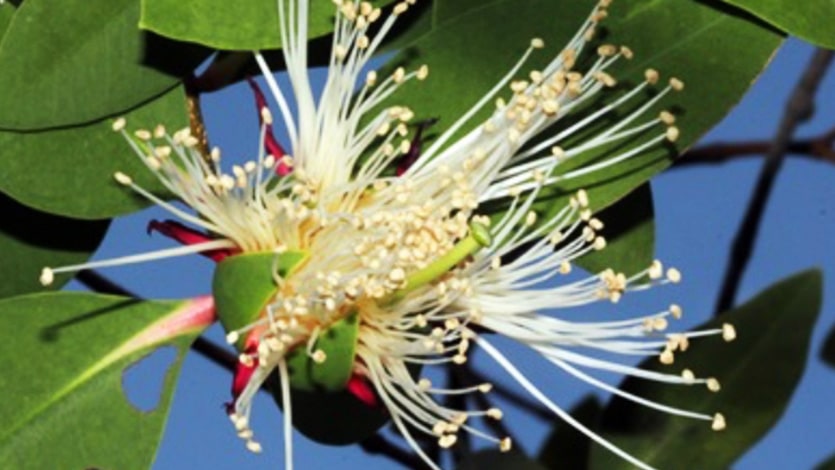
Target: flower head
[{"x": 363, "y": 229}]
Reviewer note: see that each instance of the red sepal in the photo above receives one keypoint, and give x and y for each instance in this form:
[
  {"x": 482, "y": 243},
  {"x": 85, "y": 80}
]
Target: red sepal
[
  {"x": 359, "y": 387},
  {"x": 188, "y": 236}
]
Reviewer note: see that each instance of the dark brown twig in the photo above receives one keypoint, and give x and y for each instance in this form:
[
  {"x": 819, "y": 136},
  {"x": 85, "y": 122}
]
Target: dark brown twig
[
  {"x": 378, "y": 444},
  {"x": 800, "y": 107},
  {"x": 98, "y": 283},
  {"x": 462, "y": 448},
  {"x": 821, "y": 148},
  {"x": 473, "y": 377}
]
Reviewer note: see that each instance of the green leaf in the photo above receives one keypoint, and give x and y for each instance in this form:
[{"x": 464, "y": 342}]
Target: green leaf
[
  {"x": 630, "y": 235},
  {"x": 241, "y": 25},
  {"x": 30, "y": 240},
  {"x": 774, "y": 329},
  {"x": 809, "y": 20},
  {"x": 82, "y": 62},
  {"x": 69, "y": 171},
  {"x": 567, "y": 447},
  {"x": 497, "y": 460},
  {"x": 64, "y": 358},
  {"x": 7, "y": 11},
  {"x": 828, "y": 350},
  {"x": 468, "y": 53}
]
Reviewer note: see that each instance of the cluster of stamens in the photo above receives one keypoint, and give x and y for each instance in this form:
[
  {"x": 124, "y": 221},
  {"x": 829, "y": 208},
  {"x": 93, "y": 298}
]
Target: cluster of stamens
[{"x": 410, "y": 254}]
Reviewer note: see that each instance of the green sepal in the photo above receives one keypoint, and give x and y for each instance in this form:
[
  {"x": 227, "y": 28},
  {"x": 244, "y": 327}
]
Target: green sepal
[
  {"x": 243, "y": 286},
  {"x": 323, "y": 409},
  {"x": 339, "y": 343}
]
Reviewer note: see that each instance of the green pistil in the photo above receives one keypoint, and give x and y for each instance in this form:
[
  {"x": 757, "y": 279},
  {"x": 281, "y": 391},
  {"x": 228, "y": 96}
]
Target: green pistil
[{"x": 479, "y": 237}]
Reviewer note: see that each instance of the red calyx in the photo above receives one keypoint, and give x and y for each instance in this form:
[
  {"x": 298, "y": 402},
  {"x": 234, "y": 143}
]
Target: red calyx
[
  {"x": 188, "y": 236},
  {"x": 359, "y": 387}
]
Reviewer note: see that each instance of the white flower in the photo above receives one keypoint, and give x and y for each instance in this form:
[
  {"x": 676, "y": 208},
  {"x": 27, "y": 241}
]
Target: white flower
[{"x": 412, "y": 256}]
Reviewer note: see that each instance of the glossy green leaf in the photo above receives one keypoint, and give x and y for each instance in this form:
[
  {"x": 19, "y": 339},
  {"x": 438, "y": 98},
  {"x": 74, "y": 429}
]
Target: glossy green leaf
[
  {"x": 810, "y": 20},
  {"x": 69, "y": 171},
  {"x": 497, "y": 460},
  {"x": 30, "y": 240},
  {"x": 64, "y": 357},
  {"x": 567, "y": 447},
  {"x": 82, "y": 62},
  {"x": 240, "y": 25},
  {"x": 468, "y": 53},
  {"x": 630, "y": 235},
  {"x": 828, "y": 351},
  {"x": 758, "y": 373},
  {"x": 7, "y": 11}
]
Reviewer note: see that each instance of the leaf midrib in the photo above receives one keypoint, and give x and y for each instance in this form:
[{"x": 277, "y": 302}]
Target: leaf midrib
[{"x": 117, "y": 353}]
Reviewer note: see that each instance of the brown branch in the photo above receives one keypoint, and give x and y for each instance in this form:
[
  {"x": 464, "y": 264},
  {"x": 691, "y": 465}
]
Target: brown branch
[
  {"x": 799, "y": 108},
  {"x": 377, "y": 444},
  {"x": 462, "y": 448},
  {"x": 821, "y": 147}
]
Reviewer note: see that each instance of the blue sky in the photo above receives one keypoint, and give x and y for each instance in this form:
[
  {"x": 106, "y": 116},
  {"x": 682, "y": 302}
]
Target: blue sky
[{"x": 698, "y": 210}]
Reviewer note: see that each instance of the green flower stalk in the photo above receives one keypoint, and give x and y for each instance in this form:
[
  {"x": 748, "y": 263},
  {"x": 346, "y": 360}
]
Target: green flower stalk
[{"x": 359, "y": 257}]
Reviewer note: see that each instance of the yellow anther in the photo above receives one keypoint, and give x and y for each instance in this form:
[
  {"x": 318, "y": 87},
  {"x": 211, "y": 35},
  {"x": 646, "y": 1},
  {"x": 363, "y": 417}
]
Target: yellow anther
[
  {"x": 728, "y": 332},
  {"x": 422, "y": 72},
  {"x": 673, "y": 275},
  {"x": 448, "y": 440},
  {"x": 718, "y": 423},
  {"x": 119, "y": 124},
  {"x": 666, "y": 357},
  {"x": 675, "y": 311},
  {"x": 676, "y": 84},
  {"x": 253, "y": 447},
  {"x": 47, "y": 277},
  {"x": 122, "y": 178},
  {"x": 651, "y": 76},
  {"x": 142, "y": 134},
  {"x": 667, "y": 118},
  {"x": 656, "y": 270}
]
